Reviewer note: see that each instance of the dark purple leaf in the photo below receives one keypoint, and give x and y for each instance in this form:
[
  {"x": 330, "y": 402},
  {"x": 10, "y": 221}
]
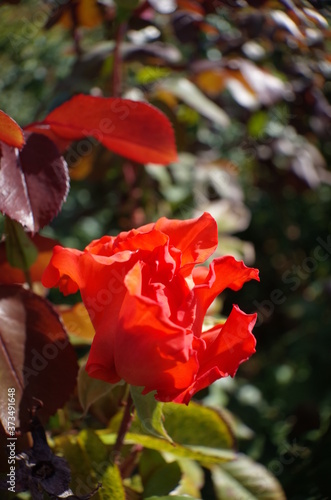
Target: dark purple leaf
[
  {"x": 36, "y": 358},
  {"x": 34, "y": 182}
]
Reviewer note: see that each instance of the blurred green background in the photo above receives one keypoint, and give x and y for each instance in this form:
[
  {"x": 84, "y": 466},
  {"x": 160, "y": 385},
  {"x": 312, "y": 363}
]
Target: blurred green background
[{"x": 247, "y": 86}]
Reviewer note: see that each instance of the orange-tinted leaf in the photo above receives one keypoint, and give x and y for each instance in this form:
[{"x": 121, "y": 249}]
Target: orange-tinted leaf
[
  {"x": 34, "y": 182},
  {"x": 77, "y": 322},
  {"x": 10, "y": 275},
  {"x": 249, "y": 85},
  {"x": 167, "y": 97},
  {"x": 36, "y": 357},
  {"x": 191, "y": 6},
  {"x": 87, "y": 13},
  {"x": 211, "y": 81},
  {"x": 132, "y": 129},
  {"x": 185, "y": 90},
  {"x": 10, "y": 132},
  {"x": 73, "y": 13},
  {"x": 82, "y": 167}
]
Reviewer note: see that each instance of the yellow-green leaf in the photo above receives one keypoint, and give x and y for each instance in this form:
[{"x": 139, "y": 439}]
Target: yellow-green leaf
[
  {"x": 202, "y": 454},
  {"x": 197, "y": 425},
  {"x": 95, "y": 449},
  {"x": 172, "y": 497},
  {"x": 112, "y": 485},
  {"x": 83, "y": 477}
]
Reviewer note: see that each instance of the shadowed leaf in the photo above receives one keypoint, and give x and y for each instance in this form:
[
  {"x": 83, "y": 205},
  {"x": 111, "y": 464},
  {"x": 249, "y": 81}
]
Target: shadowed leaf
[
  {"x": 10, "y": 274},
  {"x": 244, "y": 479},
  {"x": 34, "y": 182},
  {"x": 91, "y": 389},
  {"x": 36, "y": 357},
  {"x": 21, "y": 252}
]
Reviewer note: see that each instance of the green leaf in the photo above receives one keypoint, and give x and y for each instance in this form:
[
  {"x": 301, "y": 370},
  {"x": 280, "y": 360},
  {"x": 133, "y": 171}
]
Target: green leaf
[
  {"x": 203, "y": 454},
  {"x": 197, "y": 425},
  {"x": 21, "y": 252},
  {"x": 127, "y": 4},
  {"x": 83, "y": 476},
  {"x": 257, "y": 124},
  {"x": 244, "y": 479},
  {"x": 193, "y": 478},
  {"x": 151, "y": 74},
  {"x": 91, "y": 389},
  {"x": 149, "y": 412},
  {"x": 95, "y": 449},
  {"x": 150, "y": 461},
  {"x": 112, "y": 485},
  {"x": 164, "y": 480},
  {"x": 124, "y": 9}
]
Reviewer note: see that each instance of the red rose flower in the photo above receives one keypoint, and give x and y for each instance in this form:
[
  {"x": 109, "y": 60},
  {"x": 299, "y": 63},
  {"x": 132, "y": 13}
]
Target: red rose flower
[{"x": 147, "y": 302}]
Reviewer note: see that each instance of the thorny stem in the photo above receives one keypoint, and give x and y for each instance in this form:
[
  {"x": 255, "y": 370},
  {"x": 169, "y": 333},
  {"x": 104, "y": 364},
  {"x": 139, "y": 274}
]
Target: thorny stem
[
  {"x": 124, "y": 427},
  {"x": 117, "y": 65}
]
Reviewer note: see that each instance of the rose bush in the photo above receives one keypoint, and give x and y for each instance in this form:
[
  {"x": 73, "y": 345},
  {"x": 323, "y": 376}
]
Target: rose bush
[{"x": 147, "y": 301}]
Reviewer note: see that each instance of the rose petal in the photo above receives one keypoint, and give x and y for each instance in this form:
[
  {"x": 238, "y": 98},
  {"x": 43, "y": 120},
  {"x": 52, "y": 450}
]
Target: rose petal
[
  {"x": 224, "y": 272},
  {"x": 195, "y": 238},
  {"x": 150, "y": 343},
  {"x": 63, "y": 271},
  {"x": 227, "y": 346},
  {"x": 147, "y": 305}
]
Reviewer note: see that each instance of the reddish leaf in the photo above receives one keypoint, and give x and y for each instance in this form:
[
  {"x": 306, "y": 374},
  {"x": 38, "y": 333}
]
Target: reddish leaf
[
  {"x": 10, "y": 132},
  {"x": 36, "y": 357},
  {"x": 34, "y": 182},
  {"x": 133, "y": 129},
  {"x": 10, "y": 275}
]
